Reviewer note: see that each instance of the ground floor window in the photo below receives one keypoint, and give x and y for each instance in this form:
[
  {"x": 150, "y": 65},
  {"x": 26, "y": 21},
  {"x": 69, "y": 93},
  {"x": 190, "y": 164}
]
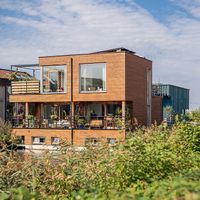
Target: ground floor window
[
  {"x": 92, "y": 141},
  {"x": 38, "y": 140},
  {"x": 55, "y": 140},
  {"x": 21, "y": 139},
  {"x": 111, "y": 141}
]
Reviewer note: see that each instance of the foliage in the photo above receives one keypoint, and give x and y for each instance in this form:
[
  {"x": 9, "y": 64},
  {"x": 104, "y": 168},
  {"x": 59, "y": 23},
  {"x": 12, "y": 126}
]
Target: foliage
[
  {"x": 81, "y": 122},
  {"x": 20, "y": 76},
  {"x": 195, "y": 115},
  {"x": 189, "y": 134},
  {"x": 30, "y": 117},
  {"x": 180, "y": 187},
  {"x": 19, "y": 194},
  {"x": 153, "y": 163},
  {"x": 54, "y": 117},
  {"x": 7, "y": 139}
]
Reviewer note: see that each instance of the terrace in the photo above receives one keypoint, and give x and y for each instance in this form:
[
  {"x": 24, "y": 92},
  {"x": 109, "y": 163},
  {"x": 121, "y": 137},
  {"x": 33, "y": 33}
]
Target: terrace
[
  {"x": 33, "y": 79},
  {"x": 87, "y": 115}
]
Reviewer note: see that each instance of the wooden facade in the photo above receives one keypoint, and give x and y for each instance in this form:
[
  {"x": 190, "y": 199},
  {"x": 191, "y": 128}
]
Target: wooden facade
[
  {"x": 126, "y": 82},
  {"x": 25, "y": 87}
]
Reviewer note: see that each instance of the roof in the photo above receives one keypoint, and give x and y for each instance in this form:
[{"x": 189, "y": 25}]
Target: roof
[
  {"x": 169, "y": 85},
  {"x": 5, "y": 73},
  {"x": 120, "y": 49},
  {"x": 115, "y": 50}
]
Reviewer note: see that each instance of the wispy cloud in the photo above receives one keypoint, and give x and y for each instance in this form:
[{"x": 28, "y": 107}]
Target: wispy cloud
[
  {"x": 73, "y": 26},
  {"x": 191, "y": 6}
]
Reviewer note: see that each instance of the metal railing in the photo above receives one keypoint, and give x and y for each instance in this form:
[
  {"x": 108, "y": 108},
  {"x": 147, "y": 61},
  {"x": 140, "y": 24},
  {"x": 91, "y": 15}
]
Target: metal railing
[{"x": 93, "y": 123}]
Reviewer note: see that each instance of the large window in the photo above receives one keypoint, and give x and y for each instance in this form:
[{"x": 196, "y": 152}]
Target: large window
[
  {"x": 54, "y": 79},
  {"x": 93, "y": 77},
  {"x": 56, "y": 111}
]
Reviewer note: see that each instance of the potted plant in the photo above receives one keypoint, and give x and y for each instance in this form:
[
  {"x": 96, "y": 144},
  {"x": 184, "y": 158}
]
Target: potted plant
[
  {"x": 30, "y": 117},
  {"x": 54, "y": 117},
  {"x": 13, "y": 77},
  {"x": 81, "y": 123}
]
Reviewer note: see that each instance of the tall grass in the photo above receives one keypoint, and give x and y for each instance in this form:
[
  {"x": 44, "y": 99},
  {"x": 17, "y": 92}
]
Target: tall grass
[{"x": 153, "y": 163}]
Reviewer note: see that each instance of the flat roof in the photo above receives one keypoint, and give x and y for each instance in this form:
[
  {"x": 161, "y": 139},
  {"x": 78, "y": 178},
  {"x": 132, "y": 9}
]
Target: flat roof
[
  {"x": 165, "y": 84},
  {"x": 114, "y": 50}
]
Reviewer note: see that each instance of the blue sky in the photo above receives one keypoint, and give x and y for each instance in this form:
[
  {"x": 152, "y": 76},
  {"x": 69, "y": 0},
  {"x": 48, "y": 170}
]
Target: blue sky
[{"x": 165, "y": 31}]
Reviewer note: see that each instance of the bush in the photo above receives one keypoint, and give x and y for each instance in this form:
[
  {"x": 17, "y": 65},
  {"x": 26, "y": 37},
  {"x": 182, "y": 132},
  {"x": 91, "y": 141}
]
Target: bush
[
  {"x": 153, "y": 163},
  {"x": 195, "y": 115},
  {"x": 188, "y": 134},
  {"x": 7, "y": 139}
]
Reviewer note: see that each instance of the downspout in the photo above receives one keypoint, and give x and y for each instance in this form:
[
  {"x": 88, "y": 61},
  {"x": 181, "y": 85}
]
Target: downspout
[
  {"x": 5, "y": 104},
  {"x": 71, "y": 104}
]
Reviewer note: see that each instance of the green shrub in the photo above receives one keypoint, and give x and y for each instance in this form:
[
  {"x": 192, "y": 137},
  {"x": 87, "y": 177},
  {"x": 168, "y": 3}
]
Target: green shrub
[
  {"x": 7, "y": 138},
  {"x": 19, "y": 194},
  {"x": 153, "y": 163}
]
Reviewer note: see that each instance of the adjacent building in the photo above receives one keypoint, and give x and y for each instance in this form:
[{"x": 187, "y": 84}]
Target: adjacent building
[
  {"x": 4, "y": 87},
  {"x": 173, "y": 100},
  {"x": 82, "y": 98}
]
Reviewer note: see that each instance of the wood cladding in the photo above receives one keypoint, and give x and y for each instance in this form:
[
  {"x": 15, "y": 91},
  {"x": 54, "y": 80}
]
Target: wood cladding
[
  {"x": 125, "y": 78},
  {"x": 79, "y": 135},
  {"x": 40, "y": 98},
  {"x": 126, "y": 81},
  {"x": 115, "y": 78},
  {"x": 157, "y": 109},
  {"x": 25, "y": 87},
  {"x": 136, "y": 85}
]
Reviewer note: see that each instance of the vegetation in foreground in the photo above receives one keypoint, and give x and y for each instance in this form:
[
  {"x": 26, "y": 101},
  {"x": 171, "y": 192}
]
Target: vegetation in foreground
[{"x": 154, "y": 163}]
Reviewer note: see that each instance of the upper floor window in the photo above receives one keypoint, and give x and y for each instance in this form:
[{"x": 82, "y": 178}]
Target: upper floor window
[
  {"x": 93, "y": 77},
  {"x": 54, "y": 79}
]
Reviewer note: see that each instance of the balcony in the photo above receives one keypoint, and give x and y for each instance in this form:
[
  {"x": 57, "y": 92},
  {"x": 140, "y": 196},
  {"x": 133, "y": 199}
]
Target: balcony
[
  {"x": 86, "y": 116},
  {"x": 25, "y": 79},
  {"x": 28, "y": 79},
  {"x": 104, "y": 123}
]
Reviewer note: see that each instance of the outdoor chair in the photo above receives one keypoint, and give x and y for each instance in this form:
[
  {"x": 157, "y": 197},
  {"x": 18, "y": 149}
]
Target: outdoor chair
[{"x": 96, "y": 123}]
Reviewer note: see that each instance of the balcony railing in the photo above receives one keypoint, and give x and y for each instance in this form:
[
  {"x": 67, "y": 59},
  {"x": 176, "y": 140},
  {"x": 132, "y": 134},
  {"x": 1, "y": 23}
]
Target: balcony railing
[
  {"x": 95, "y": 123},
  {"x": 25, "y": 87}
]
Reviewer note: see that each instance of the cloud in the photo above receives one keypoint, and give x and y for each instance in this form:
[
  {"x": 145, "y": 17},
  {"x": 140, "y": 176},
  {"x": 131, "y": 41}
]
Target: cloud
[
  {"x": 191, "y": 6},
  {"x": 74, "y": 26}
]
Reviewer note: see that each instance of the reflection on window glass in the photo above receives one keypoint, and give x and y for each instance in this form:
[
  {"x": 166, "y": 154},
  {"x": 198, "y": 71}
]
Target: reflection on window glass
[
  {"x": 93, "y": 77},
  {"x": 55, "y": 140},
  {"x": 56, "y": 111},
  {"x": 38, "y": 140},
  {"x": 54, "y": 79}
]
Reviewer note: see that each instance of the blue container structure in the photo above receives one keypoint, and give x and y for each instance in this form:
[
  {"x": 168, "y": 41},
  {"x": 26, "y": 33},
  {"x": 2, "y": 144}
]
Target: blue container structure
[{"x": 175, "y": 99}]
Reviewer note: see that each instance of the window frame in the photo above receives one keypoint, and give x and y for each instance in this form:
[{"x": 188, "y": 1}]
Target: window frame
[
  {"x": 91, "y": 92},
  {"x": 65, "y": 79},
  {"x": 111, "y": 143},
  {"x": 39, "y": 142},
  {"x": 90, "y": 141},
  {"x": 55, "y": 143}
]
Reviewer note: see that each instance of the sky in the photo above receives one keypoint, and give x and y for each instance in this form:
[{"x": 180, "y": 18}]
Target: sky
[{"x": 164, "y": 31}]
